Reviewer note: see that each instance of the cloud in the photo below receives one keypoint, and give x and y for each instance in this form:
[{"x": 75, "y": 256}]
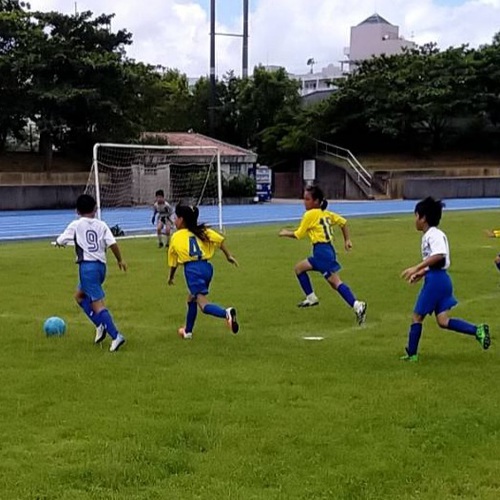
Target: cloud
[{"x": 174, "y": 33}]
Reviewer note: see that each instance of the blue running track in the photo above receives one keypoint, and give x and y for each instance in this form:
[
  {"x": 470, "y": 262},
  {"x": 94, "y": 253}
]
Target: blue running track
[{"x": 22, "y": 225}]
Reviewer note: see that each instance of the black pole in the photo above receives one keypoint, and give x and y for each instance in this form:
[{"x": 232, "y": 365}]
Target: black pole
[
  {"x": 245, "y": 40},
  {"x": 211, "y": 108}
]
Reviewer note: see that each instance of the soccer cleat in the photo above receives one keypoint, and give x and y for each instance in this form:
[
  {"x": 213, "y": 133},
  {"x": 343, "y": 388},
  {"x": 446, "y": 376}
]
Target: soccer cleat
[
  {"x": 361, "y": 313},
  {"x": 100, "y": 334},
  {"x": 183, "y": 334},
  {"x": 160, "y": 245},
  {"x": 483, "y": 336},
  {"x": 117, "y": 343},
  {"x": 407, "y": 357},
  {"x": 307, "y": 302},
  {"x": 231, "y": 321}
]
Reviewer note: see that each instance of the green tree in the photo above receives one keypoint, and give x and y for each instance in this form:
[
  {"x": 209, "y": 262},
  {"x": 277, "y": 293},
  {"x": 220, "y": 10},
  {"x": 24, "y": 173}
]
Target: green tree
[
  {"x": 78, "y": 79},
  {"x": 487, "y": 60},
  {"x": 15, "y": 28},
  {"x": 408, "y": 99}
]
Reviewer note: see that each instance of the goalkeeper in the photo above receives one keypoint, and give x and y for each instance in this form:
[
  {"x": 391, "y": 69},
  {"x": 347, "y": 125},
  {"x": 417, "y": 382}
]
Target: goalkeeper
[{"x": 164, "y": 222}]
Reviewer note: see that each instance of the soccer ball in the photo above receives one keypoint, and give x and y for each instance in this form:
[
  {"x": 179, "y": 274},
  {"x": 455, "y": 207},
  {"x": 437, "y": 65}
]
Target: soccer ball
[{"x": 54, "y": 326}]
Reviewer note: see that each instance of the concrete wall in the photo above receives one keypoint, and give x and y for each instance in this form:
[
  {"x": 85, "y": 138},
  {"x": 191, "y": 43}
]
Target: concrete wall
[
  {"x": 332, "y": 180},
  {"x": 39, "y": 197},
  {"x": 451, "y": 187}
]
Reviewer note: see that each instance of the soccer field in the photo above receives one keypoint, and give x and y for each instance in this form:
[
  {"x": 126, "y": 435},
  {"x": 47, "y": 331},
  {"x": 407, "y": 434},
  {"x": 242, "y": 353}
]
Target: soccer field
[{"x": 263, "y": 414}]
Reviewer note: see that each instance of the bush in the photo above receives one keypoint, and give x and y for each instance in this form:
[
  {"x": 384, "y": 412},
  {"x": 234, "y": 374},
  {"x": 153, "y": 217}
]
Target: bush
[{"x": 237, "y": 187}]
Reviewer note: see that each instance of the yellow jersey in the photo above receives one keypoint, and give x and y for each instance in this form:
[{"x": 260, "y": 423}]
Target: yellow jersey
[
  {"x": 186, "y": 247},
  {"x": 318, "y": 225}
]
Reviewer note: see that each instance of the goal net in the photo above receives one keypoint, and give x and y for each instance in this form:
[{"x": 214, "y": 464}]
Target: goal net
[{"x": 126, "y": 175}]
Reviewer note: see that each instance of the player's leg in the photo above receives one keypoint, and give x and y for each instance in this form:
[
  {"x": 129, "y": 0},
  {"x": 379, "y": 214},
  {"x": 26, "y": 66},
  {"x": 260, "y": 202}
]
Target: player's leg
[
  {"x": 345, "y": 292},
  {"x": 85, "y": 303},
  {"x": 480, "y": 332},
  {"x": 414, "y": 335},
  {"x": 186, "y": 332},
  {"x": 168, "y": 232},
  {"x": 95, "y": 274},
  {"x": 229, "y": 314},
  {"x": 159, "y": 230},
  {"x": 301, "y": 269},
  {"x": 497, "y": 261}
]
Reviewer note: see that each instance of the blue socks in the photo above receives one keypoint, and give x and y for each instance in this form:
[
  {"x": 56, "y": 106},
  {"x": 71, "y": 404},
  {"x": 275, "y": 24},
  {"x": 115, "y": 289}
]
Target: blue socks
[
  {"x": 214, "y": 310},
  {"x": 461, "y": 326},
  {"x": 414, "y": 338},
  {"x": 86, "y": 305},
  {"x": 346, "y": 294},
  {"x": 105, "y": 318},
  {"x": 305, "y": 283},
  {"x": 191, "y": 316}
]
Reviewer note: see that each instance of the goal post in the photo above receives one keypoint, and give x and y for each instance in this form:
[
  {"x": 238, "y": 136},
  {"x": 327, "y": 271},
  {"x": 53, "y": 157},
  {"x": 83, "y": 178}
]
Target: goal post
[{"x": 128, "y": 175}]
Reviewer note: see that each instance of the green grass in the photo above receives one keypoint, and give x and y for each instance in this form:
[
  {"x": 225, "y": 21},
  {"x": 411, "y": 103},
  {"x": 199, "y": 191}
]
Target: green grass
[{"x": 264, "y": 414}]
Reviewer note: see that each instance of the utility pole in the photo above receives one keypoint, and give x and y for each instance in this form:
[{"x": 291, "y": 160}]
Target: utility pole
[
  {"x": 211, "y": 108},
  {"x": 244, "y": 71},
  {"x": 244, "y": 58}
]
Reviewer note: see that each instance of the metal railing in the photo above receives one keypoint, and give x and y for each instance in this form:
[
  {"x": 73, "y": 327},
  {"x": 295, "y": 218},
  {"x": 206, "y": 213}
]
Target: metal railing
[{"x": 361, "y": 174}]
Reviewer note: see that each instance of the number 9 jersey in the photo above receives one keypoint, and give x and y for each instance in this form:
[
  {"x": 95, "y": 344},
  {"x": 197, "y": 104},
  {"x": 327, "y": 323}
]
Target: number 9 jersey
[
  {"x": 186, "y": 247},
  {"x": 91, "y": 237},
  {"x": 318, "y": 225}
]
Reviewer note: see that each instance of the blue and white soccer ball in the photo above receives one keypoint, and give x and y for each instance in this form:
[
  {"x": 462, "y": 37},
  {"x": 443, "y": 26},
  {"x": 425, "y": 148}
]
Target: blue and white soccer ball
[{"x": 54, "y": 326}]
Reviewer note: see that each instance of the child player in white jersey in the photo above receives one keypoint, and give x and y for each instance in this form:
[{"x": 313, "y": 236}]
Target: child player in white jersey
[
  {"x": 92, "y": 237},
  {"x": 164, "y": 211},
  {"x": 436, "y": 295}
]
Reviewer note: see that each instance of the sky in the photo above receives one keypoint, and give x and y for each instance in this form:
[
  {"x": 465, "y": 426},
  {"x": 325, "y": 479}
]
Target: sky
[{"x": 175, "y": 33}]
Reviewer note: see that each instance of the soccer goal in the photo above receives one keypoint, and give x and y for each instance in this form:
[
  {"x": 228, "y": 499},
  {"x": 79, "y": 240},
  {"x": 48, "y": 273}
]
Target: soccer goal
[{"x": 128, "y": 175}]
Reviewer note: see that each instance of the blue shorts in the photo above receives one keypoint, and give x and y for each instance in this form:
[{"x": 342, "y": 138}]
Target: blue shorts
[
  {"x": 92, "y": 276},
  {"x": 324, "y": 259},
  {"x": 198, "y": 276},
  {"x": 436, "y": 296}
]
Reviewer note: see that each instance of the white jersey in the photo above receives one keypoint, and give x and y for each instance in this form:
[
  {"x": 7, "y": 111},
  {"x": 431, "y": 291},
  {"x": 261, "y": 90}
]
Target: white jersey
[
  {"x": 91, "y": 236},
  {"x": 435, "y": 242},
  {"x": 163, "y": 209}
]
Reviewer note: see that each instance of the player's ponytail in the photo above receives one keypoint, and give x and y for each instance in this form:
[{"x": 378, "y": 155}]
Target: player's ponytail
[
  {"x": 190, "y": 216},
  {"x": 317, "y": 195}
]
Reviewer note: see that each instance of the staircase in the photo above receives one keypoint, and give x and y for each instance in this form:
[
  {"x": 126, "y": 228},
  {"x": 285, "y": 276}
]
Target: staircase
[{"x": 344, "y": 159}]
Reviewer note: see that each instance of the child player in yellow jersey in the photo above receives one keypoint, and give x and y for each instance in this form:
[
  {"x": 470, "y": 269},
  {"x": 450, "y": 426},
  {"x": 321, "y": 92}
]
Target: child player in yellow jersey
[
  {"x": 317, "y": 223},
  {"x": 193, "y": 245},
  {"x": 494, "y": 234}
]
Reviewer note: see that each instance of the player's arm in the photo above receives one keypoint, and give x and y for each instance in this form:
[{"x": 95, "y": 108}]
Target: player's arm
[
  {"x": 153, "y": 219},
  {"x": 67, "y": 235},
  {"x": 287, "y": 233},
  {"x": 118, "y": 256},
  {"x": 300, "y": 232},
  {"x": 342, "y": 223},
  {"x": 172, "y": 275},
  {"x": 347, "y": 238},
  {"x": 228, "y": 254},
  {"x": 172, "y": 262},
  {"x": 495, "y": 233},
  {"x": 416, "y": 272}
]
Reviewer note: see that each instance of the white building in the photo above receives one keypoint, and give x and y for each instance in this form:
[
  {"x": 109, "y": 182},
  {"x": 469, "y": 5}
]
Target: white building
[
  {"x": 319, "y": 80},
  {"x": 373, "y": 37}
]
